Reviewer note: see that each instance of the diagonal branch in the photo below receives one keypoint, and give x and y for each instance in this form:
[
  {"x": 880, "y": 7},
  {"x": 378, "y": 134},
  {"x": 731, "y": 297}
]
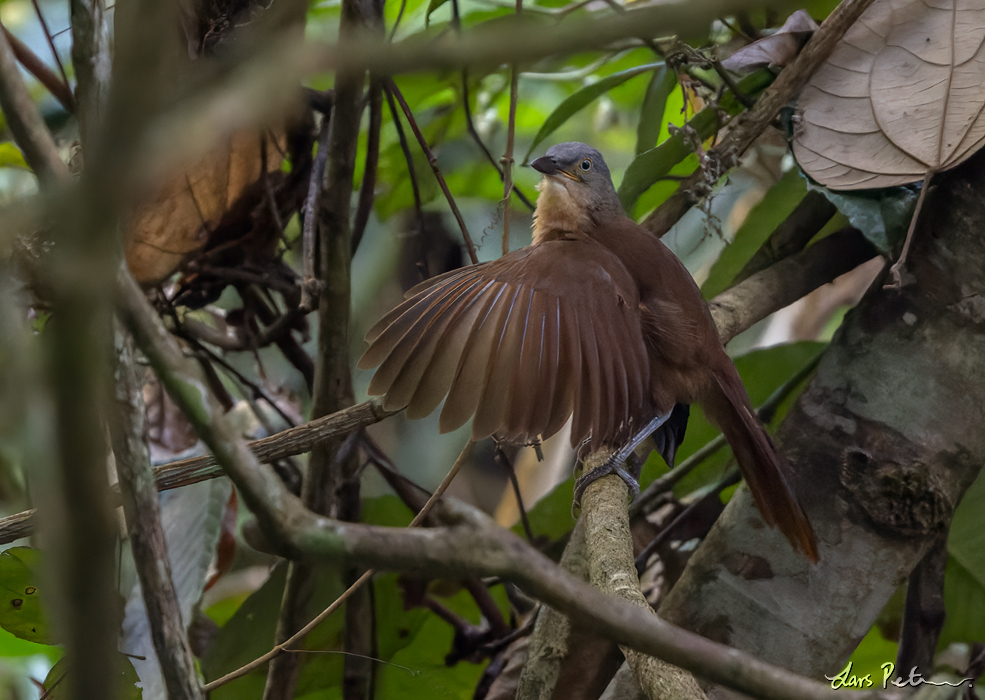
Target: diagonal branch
[
  {"x": 58, "y": 87},
  {"x": 143, "y": 515},
  {"x": 391, "y": 88},
  {"x": 747, "y": 127},
  {"x": 26, "y": 124}
]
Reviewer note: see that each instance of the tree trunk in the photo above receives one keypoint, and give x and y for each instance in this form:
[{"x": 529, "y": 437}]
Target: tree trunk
[{"x": 882, "y": 445}]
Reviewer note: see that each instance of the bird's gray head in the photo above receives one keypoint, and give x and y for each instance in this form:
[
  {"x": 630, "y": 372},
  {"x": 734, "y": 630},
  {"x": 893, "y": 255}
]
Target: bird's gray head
[{"x": 576, "y": 188}]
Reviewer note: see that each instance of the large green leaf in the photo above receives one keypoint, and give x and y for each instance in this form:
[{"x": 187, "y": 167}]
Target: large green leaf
[
  {"x": 58, "y": 684},
  {"x": 21, "y": 610},
  {"x": 418, "y": 669},
  {"x": 582, "y": 99},
  {"x": 662, "y": 83},
  {"x": 432, "y": 6},
  {"x": 964, "y": 601},
  {"x": 964, "y": 582},
  {"x": 776, "y": 206}
]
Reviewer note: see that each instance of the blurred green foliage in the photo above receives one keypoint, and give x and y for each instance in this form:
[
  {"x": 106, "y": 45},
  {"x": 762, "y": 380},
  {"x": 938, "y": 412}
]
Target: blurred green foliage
[{"x": 628, "y": 103}]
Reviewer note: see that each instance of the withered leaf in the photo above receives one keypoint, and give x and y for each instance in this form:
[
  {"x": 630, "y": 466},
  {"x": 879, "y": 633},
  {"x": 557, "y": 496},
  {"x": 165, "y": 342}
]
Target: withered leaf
[
  {"x": 177, "y": 222},
  {"x": 901, "y": 96},
  {"x": 775, "y": 50}
]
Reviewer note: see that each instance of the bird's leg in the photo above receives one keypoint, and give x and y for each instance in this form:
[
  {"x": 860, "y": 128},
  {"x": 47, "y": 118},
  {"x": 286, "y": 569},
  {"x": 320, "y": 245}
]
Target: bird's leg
[{"x": 623, "y": 457}]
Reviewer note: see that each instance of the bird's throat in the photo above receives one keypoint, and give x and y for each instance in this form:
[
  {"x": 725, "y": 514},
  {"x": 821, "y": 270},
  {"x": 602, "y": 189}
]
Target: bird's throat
[{"x": 559, "y": 214}]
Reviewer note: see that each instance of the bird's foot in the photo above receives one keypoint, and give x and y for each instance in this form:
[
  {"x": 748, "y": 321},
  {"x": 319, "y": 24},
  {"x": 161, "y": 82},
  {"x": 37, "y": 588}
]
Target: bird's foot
[{"x": 628, "y": 470}]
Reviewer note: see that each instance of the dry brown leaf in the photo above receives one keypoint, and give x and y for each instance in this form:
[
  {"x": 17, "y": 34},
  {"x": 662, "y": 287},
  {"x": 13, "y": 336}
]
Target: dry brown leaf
[
  {"x": 775, "y": 50},
  {"x": 901, "y": 96},
  {"x": 177, "y": 223}
]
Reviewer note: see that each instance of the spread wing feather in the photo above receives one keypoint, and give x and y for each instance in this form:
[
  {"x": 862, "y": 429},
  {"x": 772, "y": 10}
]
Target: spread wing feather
[{"x": 521, "y": 343}]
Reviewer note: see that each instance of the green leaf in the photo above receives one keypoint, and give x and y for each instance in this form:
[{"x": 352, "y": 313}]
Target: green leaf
[
  {"x": 432, "y": 6},
  {"x": 867, "y": 659},
  {"x": 246, "y": 635},
  {"x": 883, "y": 216},
  {"x": 776, "y": 206},
  {"x": 650, "y": 166},
  {"x": 551, "y": 515},
  {"x": 58, "y": 683},
  {"x": 418, "y": 669},
  {"x": 964, "y": 579},
  {"x": 387, "y": 510},
  {"x": 661, "y": 85},
  {"x": 582, "y": 99},
  {"x": 21, "y": 610},
  {"x": 11, "y": 157},
  {"x": 964, "y": 600}
]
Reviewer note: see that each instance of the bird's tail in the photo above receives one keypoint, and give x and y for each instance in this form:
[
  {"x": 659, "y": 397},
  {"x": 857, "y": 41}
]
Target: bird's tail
[{"x": 729, "y": 407}]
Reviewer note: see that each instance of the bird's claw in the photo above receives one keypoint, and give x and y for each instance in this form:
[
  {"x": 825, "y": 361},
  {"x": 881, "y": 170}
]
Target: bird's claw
[{"x": 613, "y": 465}]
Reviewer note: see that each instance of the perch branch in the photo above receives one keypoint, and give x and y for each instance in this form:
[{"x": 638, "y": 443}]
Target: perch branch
[{"x": 613, "y": 571}]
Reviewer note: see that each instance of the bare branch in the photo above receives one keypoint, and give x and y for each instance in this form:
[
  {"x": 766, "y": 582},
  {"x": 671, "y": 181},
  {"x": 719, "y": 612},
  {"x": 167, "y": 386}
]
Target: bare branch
[
  {"x": 30, "y": 132},
  {"x": 367, "y": 190},
  {"x": 143, "y": 513},
  {"x": 58, "y": 88},
  {"x": 392, "y": 88},
  {"x": 747, "y": 127},
  {"x": 740, "y": 307},
  {"x": 613, "y": 571},
  {"x": 310, "y": 284}
]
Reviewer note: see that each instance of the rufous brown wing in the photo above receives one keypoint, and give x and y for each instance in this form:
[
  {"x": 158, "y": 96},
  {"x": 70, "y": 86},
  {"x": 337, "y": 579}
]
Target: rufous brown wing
[{"x": 596, "y": 321}]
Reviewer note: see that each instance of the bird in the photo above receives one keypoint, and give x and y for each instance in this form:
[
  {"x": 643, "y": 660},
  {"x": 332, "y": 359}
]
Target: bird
[{"x": 596, "y": 321}]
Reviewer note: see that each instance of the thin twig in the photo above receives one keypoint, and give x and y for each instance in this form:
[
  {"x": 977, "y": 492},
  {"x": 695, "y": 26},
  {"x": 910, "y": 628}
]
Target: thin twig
[
  {"x": 508, "y": 156},
  {"x": 507, "y": 464},
  {"x": 256, "y": 390},
  {"x": 470, "y": 126},
  {"x": 28, "y": 128},
  {"x": 35, "y": 66},
  {"x": 367, "y": 191},
  {"x": 142, "y": 509},
  {"x": 324, "y": 614},
  {"x": 408, "y": 157},
  {"x": 51, "y": 45},
  {"x": 896, "y": 269},
  {"x": 311, "y": 285},
  {"x": 392, "y": 88}
]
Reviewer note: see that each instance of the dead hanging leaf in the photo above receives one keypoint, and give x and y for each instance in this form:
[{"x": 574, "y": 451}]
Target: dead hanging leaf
[
  {"x": 178, "y": 222},
  {"x": 901, "y": 96},
  {"x": 778, "y": 49}
]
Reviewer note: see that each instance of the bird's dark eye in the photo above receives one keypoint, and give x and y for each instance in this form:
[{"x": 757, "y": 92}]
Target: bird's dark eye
[{"x": 586, "y": 164}]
